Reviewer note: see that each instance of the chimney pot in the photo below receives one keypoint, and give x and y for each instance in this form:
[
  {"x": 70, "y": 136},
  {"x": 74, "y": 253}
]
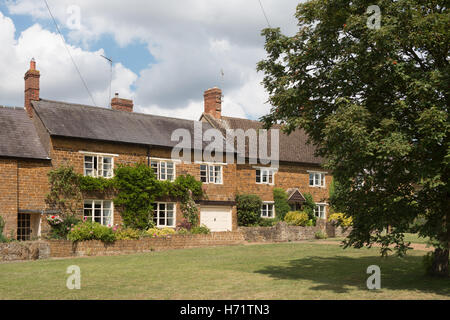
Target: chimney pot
[{"x": 213, "y": 102}]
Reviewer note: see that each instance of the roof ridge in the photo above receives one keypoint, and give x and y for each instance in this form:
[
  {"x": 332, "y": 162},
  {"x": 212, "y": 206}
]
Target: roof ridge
[
  {"x": 256, "y": 121},
  {"x": 12, "y": 107},
  {"x": 109, "y": 109}
]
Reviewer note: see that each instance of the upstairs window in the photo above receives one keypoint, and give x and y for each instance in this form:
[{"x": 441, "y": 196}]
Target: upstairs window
[
  {"x": 163, "y": 169},
  {"x": 317, "y": 179},
  {"x": 211, "y": 173},
  {"x": 98, "y": 166},
  {"x": 265, "y": 176},
  {"x": 267, "y": 210}
]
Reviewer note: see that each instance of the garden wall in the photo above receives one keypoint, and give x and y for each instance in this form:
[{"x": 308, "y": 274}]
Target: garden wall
[
  {"x": 65, "y": 248},
  {"x": 283, "y": 232},
  {"x": 24, "y": 250}
]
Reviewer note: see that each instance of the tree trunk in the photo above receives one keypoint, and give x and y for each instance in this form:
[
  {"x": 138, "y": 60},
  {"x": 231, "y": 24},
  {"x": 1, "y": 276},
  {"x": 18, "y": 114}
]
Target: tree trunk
[{"x": 440, "y": 263}]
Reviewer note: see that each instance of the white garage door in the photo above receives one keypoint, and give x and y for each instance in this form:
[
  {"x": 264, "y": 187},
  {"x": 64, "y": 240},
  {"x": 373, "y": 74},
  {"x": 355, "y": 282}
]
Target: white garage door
[{"x": 216, "y": 218}]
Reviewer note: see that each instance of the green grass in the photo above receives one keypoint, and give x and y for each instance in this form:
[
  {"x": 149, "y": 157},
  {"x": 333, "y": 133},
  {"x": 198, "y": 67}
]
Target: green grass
[
  {"x": 271, "y": 271},
  {"x": 409, "y": 237},
  {"x": 414, "y": 238}
]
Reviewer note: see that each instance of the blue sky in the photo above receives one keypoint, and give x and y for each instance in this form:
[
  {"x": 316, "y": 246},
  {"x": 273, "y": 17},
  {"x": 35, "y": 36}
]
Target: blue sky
[{"x": 165, "y": 53}]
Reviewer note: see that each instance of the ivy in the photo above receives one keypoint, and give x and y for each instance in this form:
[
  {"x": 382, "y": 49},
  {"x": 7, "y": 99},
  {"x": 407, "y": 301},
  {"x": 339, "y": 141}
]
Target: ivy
[
  {"x": 88, "y": 183},
  {"x": 65, "y": 194},
  {"x": 136, "y": 188}
]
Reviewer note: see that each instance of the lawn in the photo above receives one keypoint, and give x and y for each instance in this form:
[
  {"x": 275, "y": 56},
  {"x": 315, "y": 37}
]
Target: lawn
[
  {"x": 304, "y": 270},
  {"x": 409, "y": 237}
]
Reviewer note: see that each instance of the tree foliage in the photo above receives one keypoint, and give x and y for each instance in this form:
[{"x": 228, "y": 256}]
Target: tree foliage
[{"x": 375, "y": 104}]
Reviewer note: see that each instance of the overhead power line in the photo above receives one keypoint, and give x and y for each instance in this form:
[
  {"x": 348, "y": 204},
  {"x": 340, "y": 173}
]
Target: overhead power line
[
  {"x": 70, "y": 55},
  {"x": 264, "y": 13}
]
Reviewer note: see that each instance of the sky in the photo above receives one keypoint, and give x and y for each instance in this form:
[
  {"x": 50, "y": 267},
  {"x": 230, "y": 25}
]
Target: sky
[{"x": 165, "y": 53}]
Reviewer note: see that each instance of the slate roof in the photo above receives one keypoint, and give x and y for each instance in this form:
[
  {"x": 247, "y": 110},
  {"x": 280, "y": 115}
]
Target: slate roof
[
  {"x": 292, "y": 147},
  {"x": 18, "y": 136},
  {"x": 87, "y": 122}
]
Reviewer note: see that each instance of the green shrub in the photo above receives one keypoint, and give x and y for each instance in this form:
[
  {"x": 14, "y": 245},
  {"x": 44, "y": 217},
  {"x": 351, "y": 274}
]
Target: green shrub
[
  {"x": 183, "y": 231},
  {"x": 2, "y": 225},
  {"x": 280, "y": 198},
  {"x": 309, "y": 207},
  {"x": 320, "y": 235},
  {"x": 200, "y": 230},
  {"x": 248, "y": 209},
  {"x": 127, "y": 234},
  {"x": 61, "y": 226},
  {"x": 296, "y": 218},
  {"x": 310, "y": 223},
  {"x": 157, "y": 232},
  {"x": 267, "y": 222},
  {"x": 89, "y": 230}
]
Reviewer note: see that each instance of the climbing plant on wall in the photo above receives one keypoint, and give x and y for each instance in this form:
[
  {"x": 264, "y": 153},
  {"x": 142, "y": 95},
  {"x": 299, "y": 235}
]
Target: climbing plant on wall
[{"x": 135, "y": 188}]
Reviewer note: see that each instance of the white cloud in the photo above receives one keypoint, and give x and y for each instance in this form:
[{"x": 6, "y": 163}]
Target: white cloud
[
  {"x": 59, "y": 78},
  {"x": 191, "y": 40}
]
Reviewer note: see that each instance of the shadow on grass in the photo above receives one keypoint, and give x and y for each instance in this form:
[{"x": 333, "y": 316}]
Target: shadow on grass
[{"x": 339, "y": 273}]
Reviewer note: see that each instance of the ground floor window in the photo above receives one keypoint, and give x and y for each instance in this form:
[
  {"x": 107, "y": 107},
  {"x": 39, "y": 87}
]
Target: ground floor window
[
  {"x": 164, "y": 214},
  {"x": 267, "y": 210},
  {"x": 100, "y": 211},
  {"x": 24, "y": 226},
  {"x": 320, "y": 211}
]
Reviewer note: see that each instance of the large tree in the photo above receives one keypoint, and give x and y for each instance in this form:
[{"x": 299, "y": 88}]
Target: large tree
[{"x": 375, "y": 103}]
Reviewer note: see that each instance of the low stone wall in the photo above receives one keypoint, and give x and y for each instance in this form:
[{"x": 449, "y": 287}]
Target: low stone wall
[
  {"x": 65, "y": 248},
  {"x": 283, "y": 232},
  {"x": 24, "y": 250},
  {"x": 341, "y": 232}
]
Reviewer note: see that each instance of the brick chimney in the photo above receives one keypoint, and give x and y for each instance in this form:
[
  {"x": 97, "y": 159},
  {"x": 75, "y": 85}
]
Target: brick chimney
[
  {"x": 121, "y": 104},
  {"x": 31, "y": 87},
  {"x": 213, "y": 102}
]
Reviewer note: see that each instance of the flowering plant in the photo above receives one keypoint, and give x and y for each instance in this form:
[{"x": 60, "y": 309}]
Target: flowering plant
[{"x": 54, "y": 220}]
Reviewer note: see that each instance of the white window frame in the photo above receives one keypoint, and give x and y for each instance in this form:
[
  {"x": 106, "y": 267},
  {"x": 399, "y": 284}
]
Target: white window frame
[
  {"x": 317, "y": 183},
  {"x": 158, "y": 173},
  {"x": 268, "y": 203},
  {"x": 210, "y": 166},
  {"x": 102, "y": 216},
  {"x": 317, "y": 212},
  {"x": 100, "y": 164},
  {"x": 156, "y": 215},
  {"x": 265, "y": 171}
]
